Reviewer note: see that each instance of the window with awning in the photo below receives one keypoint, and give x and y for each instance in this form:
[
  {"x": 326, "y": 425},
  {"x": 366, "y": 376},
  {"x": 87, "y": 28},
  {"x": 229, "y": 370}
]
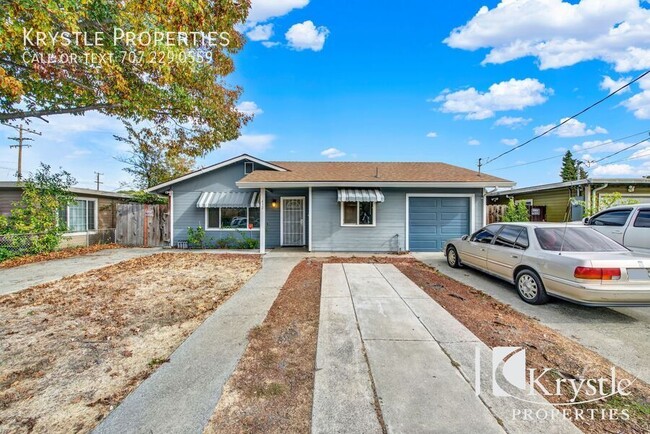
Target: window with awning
[
  {"x": 359, "y": 205},
  {"x": 360, "y": 195},
  {"x": 229, "y": 199}
]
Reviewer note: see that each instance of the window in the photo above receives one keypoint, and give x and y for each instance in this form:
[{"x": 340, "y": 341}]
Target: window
[
  {"x": 80, "y": 216},
  {"x": 611, "y": 218},
  {"x": 643, "y": 219},
  {"x": 575, "y": 240},
  {"x": 248, "y": 167},
  {"x": 358, "y": 213},
  {"x": 485, "y": 235},
  {"x": 232, "y": 218},
  {"x": 508, "y": 236},
  {"x": 522, "y": 240}
]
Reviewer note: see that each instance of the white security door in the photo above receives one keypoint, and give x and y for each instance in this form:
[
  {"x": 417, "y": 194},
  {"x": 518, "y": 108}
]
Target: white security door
[{"x": 292, "y": 221}]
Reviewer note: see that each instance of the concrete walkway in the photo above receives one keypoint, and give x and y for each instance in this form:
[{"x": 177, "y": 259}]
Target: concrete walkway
[
  {"x": 25, "y": 276},
  {"x": 603, "y": 330},
  {"x": 182, "y": 394},
  {"x": 380, "y": 329}
]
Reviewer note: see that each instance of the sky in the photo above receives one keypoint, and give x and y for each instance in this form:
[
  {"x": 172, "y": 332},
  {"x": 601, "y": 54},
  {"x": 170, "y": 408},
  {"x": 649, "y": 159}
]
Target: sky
[{"x": 437, "y": 81}]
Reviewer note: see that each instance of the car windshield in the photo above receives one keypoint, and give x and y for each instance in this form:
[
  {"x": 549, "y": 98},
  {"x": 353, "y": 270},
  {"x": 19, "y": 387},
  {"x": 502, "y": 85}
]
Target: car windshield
[{"x": 575, "y": 240}]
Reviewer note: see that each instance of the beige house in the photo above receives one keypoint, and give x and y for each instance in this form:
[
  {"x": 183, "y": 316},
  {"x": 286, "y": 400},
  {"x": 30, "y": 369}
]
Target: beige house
[{"x": 91, "y": 219}]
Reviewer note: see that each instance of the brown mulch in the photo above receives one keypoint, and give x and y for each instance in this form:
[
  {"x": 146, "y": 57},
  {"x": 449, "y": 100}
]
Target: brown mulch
[
  {"x": 58, "y": 254},
  {"x": 271, "y": 389},
  {"x": 71, "y": 350}
]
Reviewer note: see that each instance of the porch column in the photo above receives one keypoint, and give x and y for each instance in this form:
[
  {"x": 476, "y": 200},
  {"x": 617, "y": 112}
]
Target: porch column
[
  {"x": 309, "y": 225},
  {"x": 262, "y": 220}
]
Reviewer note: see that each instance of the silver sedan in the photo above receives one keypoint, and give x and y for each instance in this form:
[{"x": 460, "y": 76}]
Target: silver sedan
[{"x": 572, "y": 262}]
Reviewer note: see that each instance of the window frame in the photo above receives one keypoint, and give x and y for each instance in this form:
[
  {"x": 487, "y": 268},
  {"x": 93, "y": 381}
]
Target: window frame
[
  {"x": 95, "y": 217},
  {"x": 252, "y": 166},
  {"x": 357, "y": 224},
  {"x": 611, "y": 211},
  {"x": 210, "y": 228},
  {"x": 636, "y": 218}
]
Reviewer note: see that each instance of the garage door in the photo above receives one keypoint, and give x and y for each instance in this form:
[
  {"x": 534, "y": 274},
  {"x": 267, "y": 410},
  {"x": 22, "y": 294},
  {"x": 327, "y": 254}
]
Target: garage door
[{"x": 434, "y": 220}]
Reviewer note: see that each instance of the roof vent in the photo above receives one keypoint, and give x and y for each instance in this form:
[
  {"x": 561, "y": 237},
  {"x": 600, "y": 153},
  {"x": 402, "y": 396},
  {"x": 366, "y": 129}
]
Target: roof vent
[{"x": 377, "y": 172}]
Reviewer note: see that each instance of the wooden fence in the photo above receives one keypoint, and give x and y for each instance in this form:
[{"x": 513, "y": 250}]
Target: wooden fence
[
  {"x": 142, "y": 225},
  {"x": 495, "y": 213}
]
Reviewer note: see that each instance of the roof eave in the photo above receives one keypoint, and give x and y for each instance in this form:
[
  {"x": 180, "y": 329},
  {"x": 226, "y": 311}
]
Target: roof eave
[
  {"x": 397, "y": 184},
  {"x": 559, "y": 185}
]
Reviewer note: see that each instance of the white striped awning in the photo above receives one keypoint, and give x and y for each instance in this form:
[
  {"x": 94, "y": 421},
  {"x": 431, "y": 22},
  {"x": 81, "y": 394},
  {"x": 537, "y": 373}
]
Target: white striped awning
[
  {"x": 360, "y": 195},
  {"x": 229, "y": 199}
]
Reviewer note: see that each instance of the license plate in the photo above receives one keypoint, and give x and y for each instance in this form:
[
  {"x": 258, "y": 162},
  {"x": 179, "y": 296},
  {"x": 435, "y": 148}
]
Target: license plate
[{"x": 638, "y": 273}]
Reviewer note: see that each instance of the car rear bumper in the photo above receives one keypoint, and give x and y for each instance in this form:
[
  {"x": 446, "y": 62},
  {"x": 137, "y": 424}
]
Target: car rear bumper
[{"x": 597, "y": 294}]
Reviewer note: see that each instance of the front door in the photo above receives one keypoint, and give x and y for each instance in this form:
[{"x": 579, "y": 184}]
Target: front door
[{"x": 292, "y": 221}]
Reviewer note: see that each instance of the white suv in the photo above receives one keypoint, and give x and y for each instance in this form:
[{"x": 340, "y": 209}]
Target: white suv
[{"x": 628, "y": 225}]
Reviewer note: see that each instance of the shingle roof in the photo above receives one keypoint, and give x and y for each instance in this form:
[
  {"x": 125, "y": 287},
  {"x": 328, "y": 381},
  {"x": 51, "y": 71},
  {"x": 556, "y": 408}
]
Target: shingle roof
[{"x": 368, "y": 172}]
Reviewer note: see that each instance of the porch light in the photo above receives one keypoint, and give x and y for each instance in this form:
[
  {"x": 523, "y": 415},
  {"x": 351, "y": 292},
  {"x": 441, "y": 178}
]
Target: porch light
[{"x": 274, "y": 203}]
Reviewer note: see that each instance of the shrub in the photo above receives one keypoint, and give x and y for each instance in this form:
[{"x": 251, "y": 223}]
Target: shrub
[
  {"x": 516, "y": 212},
  {"x": 606, "y": 201},
  {"x": 196, "y": 237},
  {"x": 249, "y": 243}
]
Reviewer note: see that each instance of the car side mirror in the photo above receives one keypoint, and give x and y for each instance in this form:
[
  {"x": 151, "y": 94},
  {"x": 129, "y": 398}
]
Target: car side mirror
[
  {"x": 585, "y": 220},
  {"x": 465, "y": 237}
]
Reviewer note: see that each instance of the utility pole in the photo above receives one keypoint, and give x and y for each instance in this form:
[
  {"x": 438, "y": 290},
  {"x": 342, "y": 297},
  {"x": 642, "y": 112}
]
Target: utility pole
[
  {"x": 21, "y": 139},
  {"x": 480, "y": 164},
  {"x": 97, "y": 179}
]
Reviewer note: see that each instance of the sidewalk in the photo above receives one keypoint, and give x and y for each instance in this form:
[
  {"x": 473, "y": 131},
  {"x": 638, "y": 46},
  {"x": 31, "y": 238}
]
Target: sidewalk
[
  {"x": 182, "y": 394},
  {"x": 380, "y": 329}
]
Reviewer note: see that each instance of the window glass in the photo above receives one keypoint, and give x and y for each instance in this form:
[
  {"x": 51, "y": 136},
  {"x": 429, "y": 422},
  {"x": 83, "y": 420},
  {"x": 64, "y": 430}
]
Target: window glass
[
  {"x": 575, "y": 240},
  {"x": 213, "y": 217},
  {"x": 91, "y": 215},
  {"x": 234, "y": 218},
  {"x": 349, "y": 213},
  {"x": 77, "y": 216},
  {"x": 522, "y": 240},
  {"x": 486, "y": 234},
  {"x": 508, "y": 236},
  {"x": 366, "y": 216},
  {"x": 642, "y": 219},
  {"x": 611, "y": 218},
  {"x": 63, "y": 218},
  {"x": 254, "y": 217}
]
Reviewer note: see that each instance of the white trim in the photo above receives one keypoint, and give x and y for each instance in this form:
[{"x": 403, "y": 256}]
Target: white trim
[
  {"x": 484, "y": 219},
  {"x": 309, "y": 223},
  {"x": 282, "y": 198},
  {"x": 528, "y": 202},
  {"x": 472, "y": 210},
  {"x": 171, "y": 218},
  {"x": 252, "y": 167},
  {"x": 262, "y": 220},
  {"x": 215, "y": 167},
  {"x": 359, "y": 225},
  {"x": 259, "y": 184},
  {"x": 219, "y": 229},
  {"x": 96, "y": 217}
]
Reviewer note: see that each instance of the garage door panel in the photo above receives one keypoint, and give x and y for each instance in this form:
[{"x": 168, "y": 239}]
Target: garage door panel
[{"x": 434, "y": 220}]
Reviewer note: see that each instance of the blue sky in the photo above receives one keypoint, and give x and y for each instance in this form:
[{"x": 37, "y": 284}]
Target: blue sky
[{"x": 438, "y": 81}]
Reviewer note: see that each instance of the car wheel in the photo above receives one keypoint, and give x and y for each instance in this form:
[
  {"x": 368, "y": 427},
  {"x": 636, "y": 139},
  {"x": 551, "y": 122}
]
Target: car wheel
[
  {"x": 530, "y": 287},
  {"x": 452, "y": 258}
]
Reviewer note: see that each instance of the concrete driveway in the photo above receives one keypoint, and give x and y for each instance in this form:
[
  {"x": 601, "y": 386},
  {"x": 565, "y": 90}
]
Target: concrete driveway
[
  {"x": 18, "y": 278},
  {"x": 621, "y": 335}
]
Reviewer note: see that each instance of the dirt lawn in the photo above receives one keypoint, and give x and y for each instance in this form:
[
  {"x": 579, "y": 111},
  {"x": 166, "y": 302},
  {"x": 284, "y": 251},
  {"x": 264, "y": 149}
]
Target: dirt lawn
[{"x": 71, "y": 350}]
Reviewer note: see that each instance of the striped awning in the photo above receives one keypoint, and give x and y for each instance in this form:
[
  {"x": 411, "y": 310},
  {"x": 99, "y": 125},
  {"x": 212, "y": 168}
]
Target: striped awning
[
  {"x": 229, "y": 199},
  {"x": 360, "y": 195}
]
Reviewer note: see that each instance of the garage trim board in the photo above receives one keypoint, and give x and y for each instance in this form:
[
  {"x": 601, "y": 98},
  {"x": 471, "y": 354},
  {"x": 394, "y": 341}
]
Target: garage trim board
[{"x": 472, "y": 211}]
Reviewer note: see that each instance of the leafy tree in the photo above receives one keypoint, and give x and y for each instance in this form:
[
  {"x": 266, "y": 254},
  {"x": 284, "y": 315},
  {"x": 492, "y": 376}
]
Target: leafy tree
[
  {"x": 178, "y": 88},
  {"x": 606, "y": 201},
  {"x": 516, "y": 212},
  {"x": 572, "y": 169},
  {"x": 150, "y": 162},
  {"x": 44, "y": 194}
]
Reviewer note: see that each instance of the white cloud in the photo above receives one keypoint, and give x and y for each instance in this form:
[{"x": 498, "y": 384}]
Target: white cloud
[
  {"x": 640, "y": 103},
  {"x": 643, "y": 154},
  {"x": 507, "y": 95},
  {"x": 248, "y": 144},
  {"x": 263, "y": 10},
  {"x": 560, "y": 149},
  {"x": 432, "y": 135},
  {"x": 473, "y": 142},
  {"x": 306, "y": 36},
  {"x": 560, "y": 33},
  {"x": 262, "y": 32},
  {"x": 599, "y": 146},
  {"x": 332, "y": 153},
  {"x": 269, "y": 44},
  {"x": 615, "y": 170},
  {"x": 512, "y": 122},
  {"x": 573, "y": 128},
  {"x": 510, "y": 142},
  {"x": 249, "y": 108},
  {"x": 611, "y": 85}
]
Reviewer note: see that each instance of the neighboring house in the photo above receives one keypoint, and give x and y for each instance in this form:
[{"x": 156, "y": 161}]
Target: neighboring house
[
  {"x": 560, "y": 198},
  {"x": 330, "y": 206},
  {"x": 88, "y": 219}
]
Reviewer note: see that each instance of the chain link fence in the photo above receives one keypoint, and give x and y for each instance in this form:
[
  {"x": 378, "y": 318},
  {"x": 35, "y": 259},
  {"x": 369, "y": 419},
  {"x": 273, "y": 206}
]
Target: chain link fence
[{"x": 25, "y": 244}]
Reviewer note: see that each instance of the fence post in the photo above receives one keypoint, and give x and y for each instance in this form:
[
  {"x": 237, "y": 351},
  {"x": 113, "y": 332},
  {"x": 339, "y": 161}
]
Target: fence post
[{"x": 145, "y": 232}]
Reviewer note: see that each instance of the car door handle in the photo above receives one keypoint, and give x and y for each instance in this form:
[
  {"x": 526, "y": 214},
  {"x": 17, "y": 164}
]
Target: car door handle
[
  {"x": 482, "y": 249},
  {"x": 617, "y": 232},
  {"x": 514, "y": 256}
]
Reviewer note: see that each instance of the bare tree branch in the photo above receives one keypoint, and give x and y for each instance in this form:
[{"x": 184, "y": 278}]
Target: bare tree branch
[{"x": 39, "y": 113}]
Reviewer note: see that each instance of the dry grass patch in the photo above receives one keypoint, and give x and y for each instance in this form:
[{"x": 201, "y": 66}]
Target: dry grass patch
[
  {"x": 271, "y": 389},
  {"x": 73, "y": 349},
  {"x": 58, "y": 254}
]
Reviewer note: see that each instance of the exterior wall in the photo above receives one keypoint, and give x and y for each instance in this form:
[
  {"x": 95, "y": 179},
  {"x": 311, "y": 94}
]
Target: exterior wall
[
  {"x": 640, "y": 191},
  {"x": 7, "y": 198},
  {"x": 389, "y": 233},
  {"x": 187, "y": 193},
  {"x": 273, "y": 214},
  {"x": 555, "y": 201}
]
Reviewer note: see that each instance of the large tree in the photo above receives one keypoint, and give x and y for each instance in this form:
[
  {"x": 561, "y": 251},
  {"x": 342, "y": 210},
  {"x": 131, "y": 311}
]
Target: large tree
[
  {"x": 572, "y": 169},
  {"x": 178, "y": 89}
]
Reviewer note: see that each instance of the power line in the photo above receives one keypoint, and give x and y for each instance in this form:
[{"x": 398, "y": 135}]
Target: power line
[
  {"x": 564, "y": 121},
  {"x": 618, "y": 152},
  {"x": 605, "y": 143},
  {"x": 21, "y": 144},
  {"x": 97, "y": 181}
]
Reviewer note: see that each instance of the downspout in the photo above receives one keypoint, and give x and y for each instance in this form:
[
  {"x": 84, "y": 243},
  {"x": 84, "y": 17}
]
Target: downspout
[{"x": 594, "y": 196}]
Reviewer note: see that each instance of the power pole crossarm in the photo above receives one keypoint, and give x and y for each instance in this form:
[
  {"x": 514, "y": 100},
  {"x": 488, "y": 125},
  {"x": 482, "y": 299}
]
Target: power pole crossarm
[
  {"x": 21, "y": 139},
  {"x": 97, "y": 179}
]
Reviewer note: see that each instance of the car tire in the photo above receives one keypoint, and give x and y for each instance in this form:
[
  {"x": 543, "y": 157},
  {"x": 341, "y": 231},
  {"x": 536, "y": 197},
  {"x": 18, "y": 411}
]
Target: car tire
[
  {"x": 530, "y": 287},
  {"x": 452, "y": 258}
]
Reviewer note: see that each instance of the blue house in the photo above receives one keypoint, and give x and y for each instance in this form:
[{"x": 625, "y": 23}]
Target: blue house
[{"x": 330, "y": 206}]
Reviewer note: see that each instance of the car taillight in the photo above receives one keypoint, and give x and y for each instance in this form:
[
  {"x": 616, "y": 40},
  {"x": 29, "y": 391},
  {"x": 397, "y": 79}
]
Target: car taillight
[{"x": 597, "y": 273}]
